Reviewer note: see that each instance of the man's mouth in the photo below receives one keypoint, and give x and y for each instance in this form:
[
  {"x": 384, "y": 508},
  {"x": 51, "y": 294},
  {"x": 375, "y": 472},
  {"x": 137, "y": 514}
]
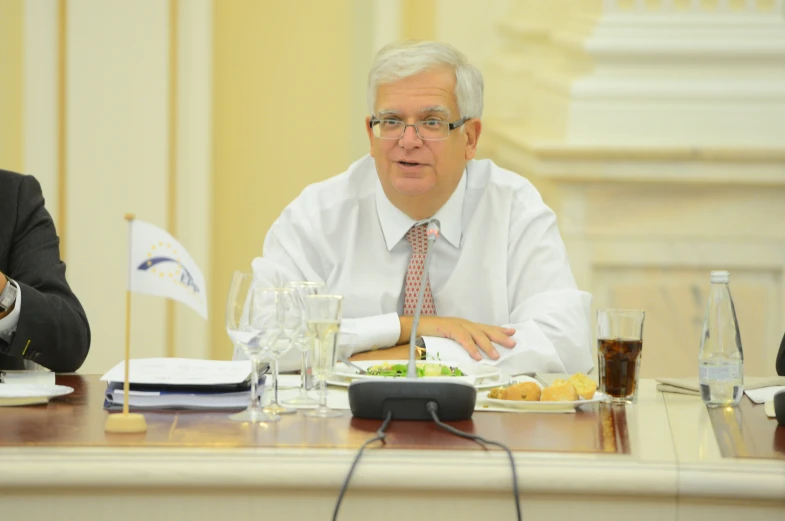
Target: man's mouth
[{"x": 408, "y": 163}]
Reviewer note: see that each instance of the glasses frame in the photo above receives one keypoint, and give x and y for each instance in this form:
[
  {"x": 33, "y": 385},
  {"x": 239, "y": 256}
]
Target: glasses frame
[{"x": 450, "y": 127}]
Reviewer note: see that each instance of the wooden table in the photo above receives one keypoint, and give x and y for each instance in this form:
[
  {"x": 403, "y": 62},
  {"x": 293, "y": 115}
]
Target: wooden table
[
  {"x": 601, "y": 463},
  {"x": 77, "y": 420}
]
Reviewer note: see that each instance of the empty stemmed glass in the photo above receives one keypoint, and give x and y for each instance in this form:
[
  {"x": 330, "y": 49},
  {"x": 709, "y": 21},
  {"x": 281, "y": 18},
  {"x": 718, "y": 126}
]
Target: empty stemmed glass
[
  {"x": 302, "y": 341},
  {"x": 249, "y": 326},
  {"x": 323, "y": 317},
  {"x": 288, "y": 315}
]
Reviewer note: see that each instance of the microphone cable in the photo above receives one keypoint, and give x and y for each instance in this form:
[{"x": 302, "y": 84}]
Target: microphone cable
[
  {"x": 380, "y": 436},
  {"x": 433, "y": 408}
]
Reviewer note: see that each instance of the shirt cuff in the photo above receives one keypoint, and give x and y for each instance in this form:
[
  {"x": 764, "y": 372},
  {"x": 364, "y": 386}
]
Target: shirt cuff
[
  {"x": 9, "y": 322},
  {"x": 365, "y": 334}
]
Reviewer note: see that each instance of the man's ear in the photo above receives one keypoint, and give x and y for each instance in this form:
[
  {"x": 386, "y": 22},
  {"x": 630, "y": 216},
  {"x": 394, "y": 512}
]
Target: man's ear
[
  {"x": 472, "y": 131},
  {"x": 369, "y": 131}
]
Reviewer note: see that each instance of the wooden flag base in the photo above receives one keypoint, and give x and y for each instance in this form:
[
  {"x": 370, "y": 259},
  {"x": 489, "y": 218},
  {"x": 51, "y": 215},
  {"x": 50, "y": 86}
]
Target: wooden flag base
[{"x": 125, "y": 423}]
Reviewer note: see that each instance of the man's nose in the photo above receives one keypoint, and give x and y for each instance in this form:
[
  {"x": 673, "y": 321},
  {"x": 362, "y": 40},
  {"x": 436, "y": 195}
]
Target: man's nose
[{"x": 410, "y": 139}]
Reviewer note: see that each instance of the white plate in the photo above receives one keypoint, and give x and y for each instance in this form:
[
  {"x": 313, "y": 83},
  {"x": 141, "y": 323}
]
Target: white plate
[
  {"x": 539, "y": 406},
  {"x": 28, "y": 394},
  {"x": 342, "y": 381},
  {"x": 477, "y": 371}
]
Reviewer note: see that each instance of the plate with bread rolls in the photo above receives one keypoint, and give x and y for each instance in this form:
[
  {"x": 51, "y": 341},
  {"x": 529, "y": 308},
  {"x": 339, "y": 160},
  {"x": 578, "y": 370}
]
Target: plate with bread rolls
[{"x": 526, "y": 393}]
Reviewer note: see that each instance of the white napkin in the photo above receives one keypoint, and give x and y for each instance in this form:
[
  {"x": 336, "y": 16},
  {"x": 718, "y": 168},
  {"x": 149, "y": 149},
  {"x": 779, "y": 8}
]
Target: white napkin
[
  {"x": 27, "y": 377},
  {"x": 690, "y": 385},
  {"x": 765, "y": 394},
  {"x": 768, "y": 408}
]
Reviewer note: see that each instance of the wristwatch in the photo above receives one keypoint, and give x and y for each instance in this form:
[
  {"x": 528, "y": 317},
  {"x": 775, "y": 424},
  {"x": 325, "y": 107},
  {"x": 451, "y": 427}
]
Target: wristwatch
[
  {"x": 419, "y": 348},
  {"x": 8, "y": 295}
]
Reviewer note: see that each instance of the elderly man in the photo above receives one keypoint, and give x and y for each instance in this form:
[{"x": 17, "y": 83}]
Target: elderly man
[
  {"x": 41, "y": 319},
  {"x": 499, "y": 288}
]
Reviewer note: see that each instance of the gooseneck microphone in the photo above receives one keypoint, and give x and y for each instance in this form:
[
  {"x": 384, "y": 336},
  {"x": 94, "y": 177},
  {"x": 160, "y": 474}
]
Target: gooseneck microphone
[
  {"x": 439, "y": 399},
  {"x": 434, "y": 227},
  {"x": 408, "y": 398}
]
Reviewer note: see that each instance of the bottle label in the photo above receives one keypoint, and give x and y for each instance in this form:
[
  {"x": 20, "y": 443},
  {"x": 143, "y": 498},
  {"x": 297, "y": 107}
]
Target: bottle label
[{"x": 720, "y": 373}]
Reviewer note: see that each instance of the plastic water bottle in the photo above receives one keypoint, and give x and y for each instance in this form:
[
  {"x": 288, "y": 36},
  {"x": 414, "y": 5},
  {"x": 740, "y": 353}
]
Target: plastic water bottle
[{"x": 721, "y": 358}]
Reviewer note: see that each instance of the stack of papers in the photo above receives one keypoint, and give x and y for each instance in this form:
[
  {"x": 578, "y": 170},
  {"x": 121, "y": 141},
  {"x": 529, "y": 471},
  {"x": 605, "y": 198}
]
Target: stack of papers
[{"x": 180, "y": 383}]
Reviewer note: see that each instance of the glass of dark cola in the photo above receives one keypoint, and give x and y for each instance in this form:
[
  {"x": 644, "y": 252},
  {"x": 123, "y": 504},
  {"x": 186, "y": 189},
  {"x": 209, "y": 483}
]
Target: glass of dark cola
[{"x": 619, "y": 347}]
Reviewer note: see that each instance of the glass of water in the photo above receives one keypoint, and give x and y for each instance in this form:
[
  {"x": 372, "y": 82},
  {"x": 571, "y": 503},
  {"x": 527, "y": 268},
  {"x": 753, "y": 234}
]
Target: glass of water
[
  {"x": 249, "y": 326},
  {"x": 323, "y": 318},
  {"x": 288, "y": 316},
  {"x": 302, "y": 342}
]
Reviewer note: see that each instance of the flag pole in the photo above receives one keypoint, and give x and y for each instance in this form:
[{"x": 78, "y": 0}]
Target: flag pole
[{"x": 127, "y": 422}]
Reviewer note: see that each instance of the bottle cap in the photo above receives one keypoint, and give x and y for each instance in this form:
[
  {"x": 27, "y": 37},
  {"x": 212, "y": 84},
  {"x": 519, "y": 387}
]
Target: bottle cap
[{"x": 720, "y": 276}]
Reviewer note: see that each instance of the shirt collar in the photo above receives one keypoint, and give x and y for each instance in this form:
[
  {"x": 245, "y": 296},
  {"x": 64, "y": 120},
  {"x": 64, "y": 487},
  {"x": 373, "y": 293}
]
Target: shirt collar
[{"x": 395, "y": 223}]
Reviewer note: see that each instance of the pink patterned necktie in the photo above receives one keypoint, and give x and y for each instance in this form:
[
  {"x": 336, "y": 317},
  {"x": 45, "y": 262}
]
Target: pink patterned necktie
[{"x": 418, "y": 238}]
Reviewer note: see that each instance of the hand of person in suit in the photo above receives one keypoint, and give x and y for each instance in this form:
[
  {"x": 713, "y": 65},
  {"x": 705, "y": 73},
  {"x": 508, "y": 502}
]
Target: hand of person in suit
[{"x": 471, "y": 335}]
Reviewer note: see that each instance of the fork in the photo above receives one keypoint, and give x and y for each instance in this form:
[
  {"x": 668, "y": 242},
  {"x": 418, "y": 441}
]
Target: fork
[{"x": 346, "y": 361}]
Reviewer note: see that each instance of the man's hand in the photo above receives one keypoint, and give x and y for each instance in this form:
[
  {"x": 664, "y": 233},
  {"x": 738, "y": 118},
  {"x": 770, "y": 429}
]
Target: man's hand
[{"x": 471, "y": 335}]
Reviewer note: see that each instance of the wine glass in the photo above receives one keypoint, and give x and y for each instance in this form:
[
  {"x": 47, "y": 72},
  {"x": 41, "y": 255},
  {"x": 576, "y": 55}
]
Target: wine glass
[
  {"x": 251, "y": 331},
  {"x": 323, "y": 317},
  {"x": 302, "y": 341},
  {"x": 288, "y": 316}
]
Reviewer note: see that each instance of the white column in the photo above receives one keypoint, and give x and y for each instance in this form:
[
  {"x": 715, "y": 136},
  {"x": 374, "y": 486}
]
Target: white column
[{"x": 194, "y": 161}]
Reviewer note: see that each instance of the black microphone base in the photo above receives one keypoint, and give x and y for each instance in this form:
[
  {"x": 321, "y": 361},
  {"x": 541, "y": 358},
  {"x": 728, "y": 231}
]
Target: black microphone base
[
  {"x": 407, "y": 399},
  {"x": 779, "y": 407}
]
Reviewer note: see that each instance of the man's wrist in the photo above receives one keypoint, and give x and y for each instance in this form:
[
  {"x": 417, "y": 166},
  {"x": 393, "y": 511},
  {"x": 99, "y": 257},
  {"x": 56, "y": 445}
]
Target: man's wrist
[
  {"x": 419, "y": 347},
  {"x": 406, "y": 329},
  {"x": 8, "y": 292}
]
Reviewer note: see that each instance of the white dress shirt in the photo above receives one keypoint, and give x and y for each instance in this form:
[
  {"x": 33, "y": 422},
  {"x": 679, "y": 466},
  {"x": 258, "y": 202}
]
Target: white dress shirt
[{"x": 499, "y": 260}]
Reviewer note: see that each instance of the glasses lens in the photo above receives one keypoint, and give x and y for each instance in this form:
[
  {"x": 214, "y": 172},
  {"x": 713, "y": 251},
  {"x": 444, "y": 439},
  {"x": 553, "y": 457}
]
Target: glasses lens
[
  {"x": 389, "y": 129},
  {"x": 433, "y": 129}
]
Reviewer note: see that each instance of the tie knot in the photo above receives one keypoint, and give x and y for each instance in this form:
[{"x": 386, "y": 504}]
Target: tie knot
[{"x": 418, "y": 238}]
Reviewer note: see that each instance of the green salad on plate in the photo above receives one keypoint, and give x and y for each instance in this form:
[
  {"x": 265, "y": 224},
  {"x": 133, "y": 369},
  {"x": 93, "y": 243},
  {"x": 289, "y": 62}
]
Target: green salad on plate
[{"x": 387, "y": 369}]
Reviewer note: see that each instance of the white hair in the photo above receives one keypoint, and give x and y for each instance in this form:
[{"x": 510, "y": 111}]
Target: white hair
[{"x": 400, "y": 60}]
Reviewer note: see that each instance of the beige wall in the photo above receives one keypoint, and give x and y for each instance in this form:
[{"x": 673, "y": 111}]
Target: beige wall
[{"x": 12, "y": 73}]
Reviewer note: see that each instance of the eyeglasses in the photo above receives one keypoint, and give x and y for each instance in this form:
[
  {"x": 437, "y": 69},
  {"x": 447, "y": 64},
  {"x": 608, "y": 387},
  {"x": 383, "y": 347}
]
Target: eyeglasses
[{"x": 428, "y": 129}]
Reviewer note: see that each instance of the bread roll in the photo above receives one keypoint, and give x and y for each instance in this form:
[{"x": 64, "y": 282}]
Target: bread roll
[
  {"x": 585, "y": 386},
  {"x": 496, "y": 393},
  {"x": 560, "y": 392},
  {"x": 524, "y": 391}
]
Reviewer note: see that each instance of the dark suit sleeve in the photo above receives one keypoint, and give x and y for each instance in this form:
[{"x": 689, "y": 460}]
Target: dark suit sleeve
[{"x": 52, "y": 329}]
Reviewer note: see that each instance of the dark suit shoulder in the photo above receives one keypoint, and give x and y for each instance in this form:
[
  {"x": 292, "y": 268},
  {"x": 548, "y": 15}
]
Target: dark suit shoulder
[
  {"x": 18, "y": 192},
  {"x": 6, "y": 176},
  {"x": 9, "y": 186}
]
